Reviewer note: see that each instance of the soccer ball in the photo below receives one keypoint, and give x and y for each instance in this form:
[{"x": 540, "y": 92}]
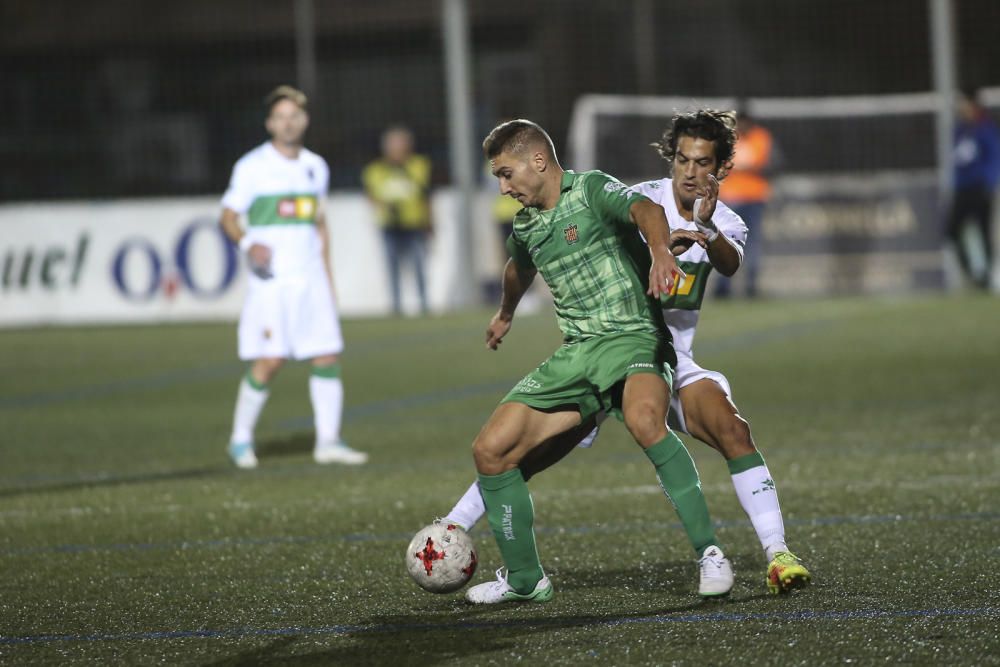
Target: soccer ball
[{"x": 441, "y": 558}]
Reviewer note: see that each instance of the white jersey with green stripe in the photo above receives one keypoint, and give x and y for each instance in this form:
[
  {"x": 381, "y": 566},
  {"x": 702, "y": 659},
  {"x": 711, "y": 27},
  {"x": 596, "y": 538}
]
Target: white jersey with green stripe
[
  {"x": 681, "y": 308},
  {"x": 279, "y": 197}
]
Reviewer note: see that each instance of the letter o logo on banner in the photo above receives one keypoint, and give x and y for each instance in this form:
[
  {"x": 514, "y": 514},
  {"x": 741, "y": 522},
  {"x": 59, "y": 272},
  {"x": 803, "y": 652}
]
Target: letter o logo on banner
[
  {"x": 155, "y": 273},
  {"x": 182, "y": 258}
]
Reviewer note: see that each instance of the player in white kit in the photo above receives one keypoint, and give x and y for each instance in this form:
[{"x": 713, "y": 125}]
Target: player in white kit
[
  {"x": 290, "y": 311},
  {"x": 697, "y": 146}
]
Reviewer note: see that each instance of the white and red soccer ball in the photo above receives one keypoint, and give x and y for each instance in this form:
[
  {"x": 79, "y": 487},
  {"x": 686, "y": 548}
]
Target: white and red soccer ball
[{"x": 441, "y": 558}]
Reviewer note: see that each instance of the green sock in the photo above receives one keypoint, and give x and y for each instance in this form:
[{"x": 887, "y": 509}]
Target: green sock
[
  {"x": 679, "y": 480},
  {"x": 253, "y": 383},
  {"x": 511, "y": 516},
  {"x": 745, "y": 462},
  {"x": 330, "y": 372}
]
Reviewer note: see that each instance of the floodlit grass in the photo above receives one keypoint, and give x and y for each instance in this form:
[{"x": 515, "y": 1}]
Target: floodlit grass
[{"x": 126, "y": 537}]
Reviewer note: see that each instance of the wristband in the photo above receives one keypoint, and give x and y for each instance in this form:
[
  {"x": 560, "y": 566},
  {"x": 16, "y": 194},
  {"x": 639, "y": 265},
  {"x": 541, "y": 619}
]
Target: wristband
[
  {"x": 244, "y": 243},
  {"x": 706, "y": 227}
]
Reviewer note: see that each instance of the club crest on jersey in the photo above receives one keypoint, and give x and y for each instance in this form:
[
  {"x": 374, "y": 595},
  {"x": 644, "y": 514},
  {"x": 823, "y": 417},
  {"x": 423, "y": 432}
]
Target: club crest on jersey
[{"x": 571, "y": 234}]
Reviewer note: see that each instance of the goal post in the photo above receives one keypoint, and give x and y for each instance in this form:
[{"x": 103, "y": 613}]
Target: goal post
[{"x": 856, "y": 206}]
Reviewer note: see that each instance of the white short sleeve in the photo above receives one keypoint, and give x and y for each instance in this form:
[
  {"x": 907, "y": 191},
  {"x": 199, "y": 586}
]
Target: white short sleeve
[
  {"x": 730, "y": 224},
  {"x": 652, "y": 190},
  {"x": 324, "y": 179},
  {"x": 240, "y": 194}
]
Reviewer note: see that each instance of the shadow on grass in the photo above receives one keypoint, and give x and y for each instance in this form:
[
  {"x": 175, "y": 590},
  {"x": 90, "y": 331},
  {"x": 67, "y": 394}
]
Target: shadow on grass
[
  {"x": 294, "y": 444},
  {"x": 476, "y": 634},
  {"x": 115, "y": 480},
  {"x": 462, "y": 636},
  {"x": 265, "y": 655}
]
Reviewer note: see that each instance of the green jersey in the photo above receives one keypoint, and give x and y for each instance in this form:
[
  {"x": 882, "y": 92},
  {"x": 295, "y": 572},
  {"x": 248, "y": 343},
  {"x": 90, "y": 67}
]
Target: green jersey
[{"x": 591, "y": 256}]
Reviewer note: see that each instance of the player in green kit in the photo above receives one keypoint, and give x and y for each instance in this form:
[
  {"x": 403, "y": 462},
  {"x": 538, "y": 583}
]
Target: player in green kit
[
  {"x": 580, "y": 231},
  {"x": 697, "y": 147}
]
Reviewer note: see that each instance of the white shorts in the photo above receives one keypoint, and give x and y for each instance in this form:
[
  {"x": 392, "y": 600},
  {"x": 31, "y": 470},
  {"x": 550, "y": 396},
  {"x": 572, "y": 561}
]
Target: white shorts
[
  {"x": 687, "y": 372},
  {"x": 289, "y": 319}
]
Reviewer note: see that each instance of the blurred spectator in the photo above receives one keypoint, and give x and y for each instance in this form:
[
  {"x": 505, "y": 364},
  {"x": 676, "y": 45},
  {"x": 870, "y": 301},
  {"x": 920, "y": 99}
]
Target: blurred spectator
[
  {"x": 977, "y": 173},
  {"x": 398, "y": 184},
  {"x": 746, "y": 191},
  {"x": 503, "y": 210}
]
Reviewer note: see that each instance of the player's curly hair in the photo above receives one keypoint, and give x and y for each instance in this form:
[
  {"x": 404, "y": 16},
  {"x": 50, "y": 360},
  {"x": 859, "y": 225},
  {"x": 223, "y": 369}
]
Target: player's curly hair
[{"x": 709, "y": 124}]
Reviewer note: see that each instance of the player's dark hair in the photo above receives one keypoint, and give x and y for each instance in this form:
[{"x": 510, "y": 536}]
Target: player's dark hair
[
  {"x": 708, "y": 124},
  {"x": 285, "y": 93},
  {"x": 514, "y": 136}
]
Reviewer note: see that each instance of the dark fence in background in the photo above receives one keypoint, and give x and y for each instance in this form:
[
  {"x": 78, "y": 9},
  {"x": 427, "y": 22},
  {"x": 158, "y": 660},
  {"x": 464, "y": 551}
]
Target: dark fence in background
[{"x": 136, "y": 97}]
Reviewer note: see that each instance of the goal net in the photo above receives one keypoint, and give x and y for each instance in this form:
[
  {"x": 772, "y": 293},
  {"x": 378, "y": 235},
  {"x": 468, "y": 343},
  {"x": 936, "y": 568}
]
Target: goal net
[{"x": 855, "y": 206}]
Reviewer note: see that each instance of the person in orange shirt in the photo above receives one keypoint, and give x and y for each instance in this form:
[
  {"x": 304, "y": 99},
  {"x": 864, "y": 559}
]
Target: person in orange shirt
[{"x": 746, "y": 190}]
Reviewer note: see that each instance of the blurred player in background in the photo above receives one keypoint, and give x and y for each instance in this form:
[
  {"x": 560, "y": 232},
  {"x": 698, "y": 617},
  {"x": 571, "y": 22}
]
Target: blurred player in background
[
  {"x": 289, "y": 311},
  {"x": 503, "y": 210},
  {"x": 696, "y": 146},
  {"x": 398, "y": 184},
  {"x": 977, "y": 174},
  {"x": 580, "y": 231},
  {"x": 747, "y": 190}
]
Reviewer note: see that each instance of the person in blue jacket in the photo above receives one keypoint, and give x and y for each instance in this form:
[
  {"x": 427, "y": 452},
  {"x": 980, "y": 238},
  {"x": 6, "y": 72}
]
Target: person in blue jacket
[{"x": 977, "y": 174}]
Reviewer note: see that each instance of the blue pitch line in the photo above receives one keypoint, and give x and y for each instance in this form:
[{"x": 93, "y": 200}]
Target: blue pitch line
[
  {"x": 216, "y": 371},
  {"x": 763, "y": 336},
  {"x": 402, "y": 537},
  {"x": 377, "y": 408},
  {"x": 149, "y": 382},
  {"x": 193, "y": 374},
  {"x": 408, "y": 402},
  {"x": 861, "y": 614}
]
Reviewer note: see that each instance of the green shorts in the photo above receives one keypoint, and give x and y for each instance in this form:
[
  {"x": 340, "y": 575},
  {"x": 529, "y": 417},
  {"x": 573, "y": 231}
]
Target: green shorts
[{"x": 590, "y": 376}]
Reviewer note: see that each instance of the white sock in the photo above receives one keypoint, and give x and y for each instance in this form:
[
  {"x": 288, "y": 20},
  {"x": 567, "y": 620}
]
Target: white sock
[
  {"x": 759, "y": 498},
  {"x": 327, "y": 396},
  {"x": 249, "y": 402},
  {"x": 469, "y": 509}
]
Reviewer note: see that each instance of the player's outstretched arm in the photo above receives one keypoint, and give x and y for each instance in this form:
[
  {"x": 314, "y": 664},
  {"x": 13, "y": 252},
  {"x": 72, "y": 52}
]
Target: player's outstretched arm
[
  {"x": 681, "y": 241},
  {"x": 652, "y": 222},
  {"x": 722, "y": 252},
  {"x": 516, "y": 281}
]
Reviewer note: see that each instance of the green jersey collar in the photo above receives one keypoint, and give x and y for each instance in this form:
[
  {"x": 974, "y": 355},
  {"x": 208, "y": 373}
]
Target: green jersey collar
[{"x": 568, "y": 178}]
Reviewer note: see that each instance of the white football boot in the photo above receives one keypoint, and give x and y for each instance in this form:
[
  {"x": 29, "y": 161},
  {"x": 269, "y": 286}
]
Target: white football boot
[
  {"x": 494, "y": 592},
  {"x": 242, "y": 455},
  {"x": 338, "y": 452},
  {"x": 716, "y": 573}
]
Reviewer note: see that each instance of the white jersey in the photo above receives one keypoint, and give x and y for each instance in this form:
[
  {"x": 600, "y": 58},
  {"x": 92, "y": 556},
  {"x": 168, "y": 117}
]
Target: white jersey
[
  {"x": 280, "y": 198},
  {"x": 681, "y": 308}
]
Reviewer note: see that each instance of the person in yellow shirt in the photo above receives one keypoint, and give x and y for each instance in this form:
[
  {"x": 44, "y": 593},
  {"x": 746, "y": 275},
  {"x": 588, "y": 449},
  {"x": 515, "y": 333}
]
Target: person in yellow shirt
[
  {"x": 504, "y": 209},
  {"x": 747, "y": 190},
  {"x": 398, "y": 185}
]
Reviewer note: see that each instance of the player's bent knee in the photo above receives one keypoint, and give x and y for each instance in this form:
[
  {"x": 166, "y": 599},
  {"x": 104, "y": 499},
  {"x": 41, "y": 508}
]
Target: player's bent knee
[
  {"x": 265, "y": 369},
  {"x": 646, "y": 424},
  {"x": 492, "y": 455},
  {"x": 325, "y": 360},
  {"x": 734, "y": 438}
]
